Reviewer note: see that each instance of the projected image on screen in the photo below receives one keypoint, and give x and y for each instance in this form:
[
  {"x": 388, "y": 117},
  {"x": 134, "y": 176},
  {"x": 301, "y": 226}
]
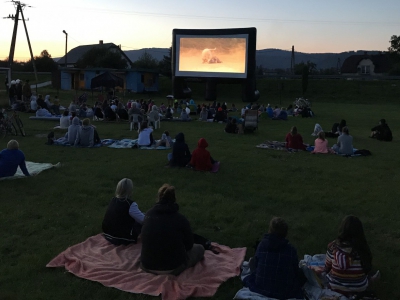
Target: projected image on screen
[{"x": 220, "y": 56}]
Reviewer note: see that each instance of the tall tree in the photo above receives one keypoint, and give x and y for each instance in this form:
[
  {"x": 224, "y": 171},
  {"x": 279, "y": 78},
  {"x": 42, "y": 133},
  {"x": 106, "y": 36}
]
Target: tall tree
[
  {"x": 394, "y": 44},
  {"x": 394, "y": 51},
  {"x": 100, "y": 57},
  {"x": 146, "y": 61},
  {"x": 44, "y": 63}
]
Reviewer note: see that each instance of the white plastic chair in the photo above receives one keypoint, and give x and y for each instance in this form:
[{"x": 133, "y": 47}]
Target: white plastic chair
[{"x": 134, "y": 119}]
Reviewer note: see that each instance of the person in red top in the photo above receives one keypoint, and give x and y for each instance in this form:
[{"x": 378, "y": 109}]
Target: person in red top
[
  {"x": 201, "y": 158},
  {"x": 294, "y": 140}
]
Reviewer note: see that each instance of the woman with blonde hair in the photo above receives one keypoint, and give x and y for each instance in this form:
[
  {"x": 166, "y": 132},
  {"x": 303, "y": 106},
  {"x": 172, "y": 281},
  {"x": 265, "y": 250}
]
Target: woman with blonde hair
[
  {"x": 168, "y": 242},
  {"x": 11, "y": 158},
  {"x": 321, "y": 144},
  {"x": 123, "y": 220}
]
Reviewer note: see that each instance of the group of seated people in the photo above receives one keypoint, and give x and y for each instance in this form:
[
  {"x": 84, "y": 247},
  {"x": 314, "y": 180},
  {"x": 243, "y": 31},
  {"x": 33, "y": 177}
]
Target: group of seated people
[
  {"x": 181, "y": 156},
  {"x": 44, "y": 107},
  {"x": 169, "y": 247},
  {"x": 80, "y": 133}
]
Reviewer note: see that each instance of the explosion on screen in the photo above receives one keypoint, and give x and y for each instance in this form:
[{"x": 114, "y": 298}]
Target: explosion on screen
[{"x": 219, "y": 55}]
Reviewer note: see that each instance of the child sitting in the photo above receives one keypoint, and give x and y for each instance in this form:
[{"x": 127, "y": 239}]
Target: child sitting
[
  {"x": 231, "y": 126},
  {"x": 165, "y": 141},
  {"x": 201, "y": 159},
  {"x": 275, "y": 269},
  {"x": 321, "y": 144}
]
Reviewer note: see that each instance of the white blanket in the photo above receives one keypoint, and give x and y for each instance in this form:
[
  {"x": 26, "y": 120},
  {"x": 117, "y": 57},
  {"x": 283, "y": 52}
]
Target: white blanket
[{"x": 33, "y": 169}]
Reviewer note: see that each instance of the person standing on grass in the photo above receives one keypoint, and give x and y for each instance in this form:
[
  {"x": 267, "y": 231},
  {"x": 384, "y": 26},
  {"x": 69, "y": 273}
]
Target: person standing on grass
[
  {"x": 275, "y": 271},
  {"x": 26, "y": 91},
  {"x": 349, "y": 259},
  {"x": 123, "y": 220},
  {"x": 344, "y": 143},
  {"x": 12, "y": 158},
  {"x": 294, "y": 140},
  {"x": 167, "y": 240}
]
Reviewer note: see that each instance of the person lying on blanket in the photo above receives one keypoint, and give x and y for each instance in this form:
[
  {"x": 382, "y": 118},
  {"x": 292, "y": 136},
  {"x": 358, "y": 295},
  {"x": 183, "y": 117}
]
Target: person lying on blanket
[
  {"x": 167, "y": 239},
  {"x": 275, "y": 271},
  {"x": 180, "y": 155},
  {"x": 11, "y": 158},
  {"x": 349, "y": 259},
  {"x": 294, "y": 140},
  {"x": 123, "y": 220},
  {"x": 344, "y": 143},
  {"x": 201, "y": 159}
]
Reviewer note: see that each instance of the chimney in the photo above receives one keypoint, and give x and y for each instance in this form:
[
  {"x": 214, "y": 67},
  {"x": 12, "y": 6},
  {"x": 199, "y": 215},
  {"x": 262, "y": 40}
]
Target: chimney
[{"x": 101, "y": 42}]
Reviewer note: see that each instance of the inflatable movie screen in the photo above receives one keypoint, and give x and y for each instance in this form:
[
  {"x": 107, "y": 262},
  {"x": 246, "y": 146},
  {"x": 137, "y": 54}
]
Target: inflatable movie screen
[{"x": 200, "y": 54}]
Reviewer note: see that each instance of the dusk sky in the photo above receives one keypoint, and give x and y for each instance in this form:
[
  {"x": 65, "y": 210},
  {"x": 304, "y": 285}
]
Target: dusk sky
[{"x": 312, "y": 26}]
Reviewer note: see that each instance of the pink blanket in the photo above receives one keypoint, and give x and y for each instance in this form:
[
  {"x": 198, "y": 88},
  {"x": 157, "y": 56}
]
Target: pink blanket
[{"x": 98, "y": 260}]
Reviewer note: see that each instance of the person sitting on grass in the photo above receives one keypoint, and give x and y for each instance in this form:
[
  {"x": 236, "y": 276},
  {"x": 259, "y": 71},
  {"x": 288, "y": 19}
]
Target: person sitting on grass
[
  {"x": 201, "y": 159},
  {"x": 349, "y": 259},
  {"x": 86, "y": 135},
  {"x": 123, "y": 219},
  {"x": 275, "y": 271},
  {"x": 231, "y": 126},
  {"x": 64, "y": 120},
  {"x": 122, "y": 112},
  {"x": 344, "y": 143},
  {"x": 145, "y": 138},
  {"x": 382, "y": 132},
  {"x": 321, "y": 144},
  {"x": 42, "y": 112},
  {"x": 282, "y": 115},
  {"x": 219, "y": 115},
  {"x": 180, "y": 155},
  {"x": 203, "y": 114},
  {"x": 270, "y": 111},
  {"x": 184, "y": 115},
  {"x": 168, "y": 113},
  {"x": 165, "y": 141},
  {"x": 73, "y": 131},
  {"x": 12, "y": 158},
  {"x": 294, "y": 140},
  {"x": 40, "y": 102},
  {"x": 167, "y": 240}
]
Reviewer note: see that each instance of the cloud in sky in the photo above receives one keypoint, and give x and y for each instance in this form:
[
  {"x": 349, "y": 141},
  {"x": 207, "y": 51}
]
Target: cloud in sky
[{"x": 311, "y": 26}]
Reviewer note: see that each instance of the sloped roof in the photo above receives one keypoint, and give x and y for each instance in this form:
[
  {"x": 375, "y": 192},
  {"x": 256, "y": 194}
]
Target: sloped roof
[
  {"x": 75, "y": 54},
  {"x": 381, "y": 62}
]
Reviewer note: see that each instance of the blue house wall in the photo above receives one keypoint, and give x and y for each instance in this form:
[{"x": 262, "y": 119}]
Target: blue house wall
[
  {"x": 65, "y": 81},
  {"x": 89, "y": 75}
]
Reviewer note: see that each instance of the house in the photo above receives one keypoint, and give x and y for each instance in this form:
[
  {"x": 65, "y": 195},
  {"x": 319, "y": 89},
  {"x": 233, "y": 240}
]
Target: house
[
  {"x": 135, "y": 80},
  {"x": 75, "y": 54},
  {"x": 378, "y": 64}
]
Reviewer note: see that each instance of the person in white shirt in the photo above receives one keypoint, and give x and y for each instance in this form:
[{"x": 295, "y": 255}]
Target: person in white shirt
[
  {"x": 42, "y": 112},
  {"x": 34, "y": 105},
  {"x": 145, "y": 138},
  {"x": 64, "y": 120}
]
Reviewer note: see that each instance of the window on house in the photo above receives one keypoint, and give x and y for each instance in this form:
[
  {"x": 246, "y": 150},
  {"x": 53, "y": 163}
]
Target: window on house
[{"x": 365, "y": 69}]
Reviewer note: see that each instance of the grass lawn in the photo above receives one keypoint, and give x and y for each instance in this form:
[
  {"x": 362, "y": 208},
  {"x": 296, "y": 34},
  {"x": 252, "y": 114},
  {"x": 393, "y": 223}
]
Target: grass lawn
[{"x": 43, "y": 215}]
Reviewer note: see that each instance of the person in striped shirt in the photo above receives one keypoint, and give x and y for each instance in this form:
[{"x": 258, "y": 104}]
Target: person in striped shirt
[{"x": 349, "y": 259}]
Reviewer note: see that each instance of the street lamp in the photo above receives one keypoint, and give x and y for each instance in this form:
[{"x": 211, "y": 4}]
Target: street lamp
[{"x": 66, "y": 43}]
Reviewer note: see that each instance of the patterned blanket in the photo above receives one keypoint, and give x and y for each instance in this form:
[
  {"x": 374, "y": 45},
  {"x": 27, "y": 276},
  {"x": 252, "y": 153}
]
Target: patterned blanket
[{"x": 128, "y": 143}]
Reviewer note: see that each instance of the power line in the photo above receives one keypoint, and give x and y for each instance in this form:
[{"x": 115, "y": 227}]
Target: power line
[{"x": 337, "y": 22}]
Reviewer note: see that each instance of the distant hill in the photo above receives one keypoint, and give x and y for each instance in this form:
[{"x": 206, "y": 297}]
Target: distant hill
[{"x": 270, "y": 58}]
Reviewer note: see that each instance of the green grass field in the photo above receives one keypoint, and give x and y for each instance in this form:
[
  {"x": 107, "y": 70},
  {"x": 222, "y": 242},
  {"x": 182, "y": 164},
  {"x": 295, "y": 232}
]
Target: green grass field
[{"x": 43, "y": 215}]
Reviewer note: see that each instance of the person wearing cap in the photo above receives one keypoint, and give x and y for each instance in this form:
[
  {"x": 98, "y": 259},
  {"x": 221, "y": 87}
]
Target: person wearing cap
[
  {"x": 11, "y": 158},
  {"x": 382, "y": 132}
]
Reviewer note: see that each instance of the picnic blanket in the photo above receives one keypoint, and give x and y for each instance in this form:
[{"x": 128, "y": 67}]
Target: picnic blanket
[
  {"x": 118, "y": 266},
  {"x": 313, "y": 289},
  {"x": 33, "y": 169},
  {"x": 275, "y": 145},
  {"x": 128, "y": 143},
  {"x": 53, "y": 118},
  {"x": 62, "y": 141},
  {"x": 175, "y": 119}
]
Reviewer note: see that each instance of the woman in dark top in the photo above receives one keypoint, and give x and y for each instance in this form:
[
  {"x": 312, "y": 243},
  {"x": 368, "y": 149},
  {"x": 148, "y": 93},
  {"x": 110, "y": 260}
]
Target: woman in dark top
[
  {"x": 180, "y": 152},
  {"x": 167, "y": 238},
  {"x": 123, "y": 219},
  {"x": 294, "y": 140}
]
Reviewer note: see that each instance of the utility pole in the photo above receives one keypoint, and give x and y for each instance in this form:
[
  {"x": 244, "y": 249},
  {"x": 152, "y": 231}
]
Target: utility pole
[
  {"x": 292, "y": 62},
  {"x": 16, "y": 18}
]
